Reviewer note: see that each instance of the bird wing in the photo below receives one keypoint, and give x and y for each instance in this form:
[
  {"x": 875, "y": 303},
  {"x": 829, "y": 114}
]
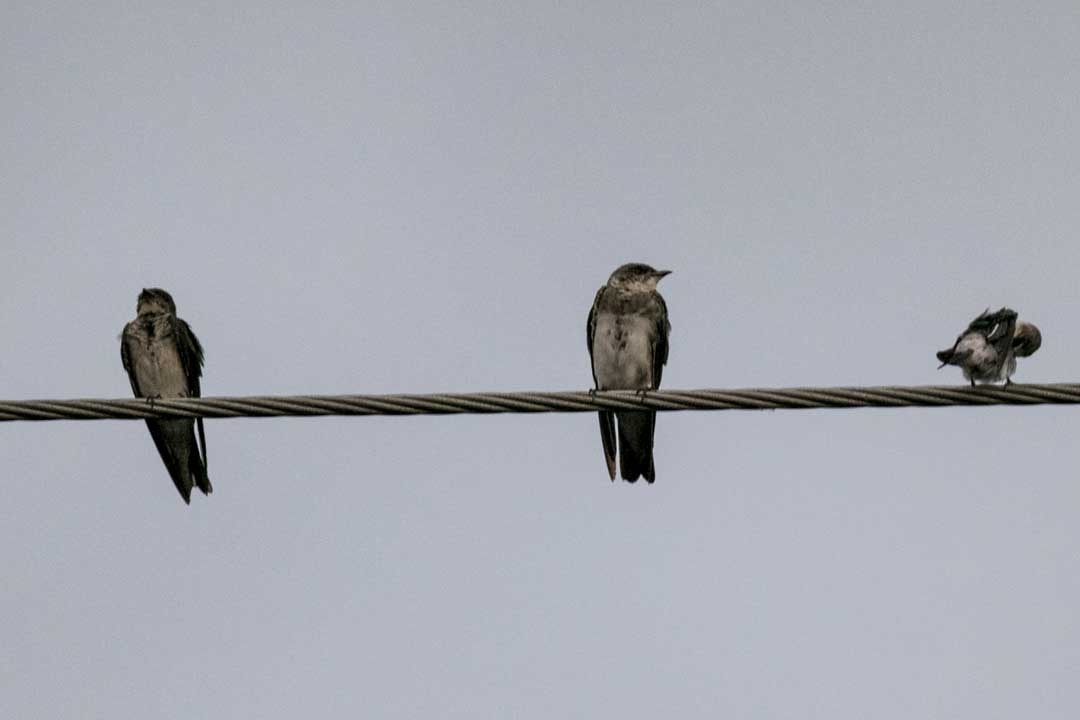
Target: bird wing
[
  {"x": 125, "y": 358},
  {"x": 660, "y": 342},
  {"x": 191, "y": 355},
  {"x": 590, "y": 327},
  {"x": 607, "y": 418},
  {"x": 607, "y": 437},
  {"x": 1001, "y": 331},
  {"x": 992, "y": 325},
  {"x": 190, "y": 351}
]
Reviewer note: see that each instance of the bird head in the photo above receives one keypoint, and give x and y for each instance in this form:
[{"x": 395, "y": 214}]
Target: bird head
[
  {"x": 1027, "y": 339},
  {"x": 637, "y": 276},
  {"x": 154, "y": 301}
]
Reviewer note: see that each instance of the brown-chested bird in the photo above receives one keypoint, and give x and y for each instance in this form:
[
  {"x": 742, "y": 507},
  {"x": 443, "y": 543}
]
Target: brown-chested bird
[
  {"x": 163, "y": 359},
  {"x": 627, "y": 337},
  {"x": 986, "y": 351}
]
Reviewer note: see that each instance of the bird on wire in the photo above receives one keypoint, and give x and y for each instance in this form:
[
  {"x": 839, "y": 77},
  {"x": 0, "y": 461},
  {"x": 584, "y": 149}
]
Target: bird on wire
[
  {"x": 164, "y": 359},
  {"x": 986, "y": 351},
  {"x": 627, "y": 337}
]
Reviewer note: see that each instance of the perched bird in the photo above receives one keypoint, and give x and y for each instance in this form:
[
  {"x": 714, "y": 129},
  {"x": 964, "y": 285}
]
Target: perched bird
[
  {"x": 987, "y": 350},
  {"x": 627, "y": 337},
  {"x": 163, "y": 359}
]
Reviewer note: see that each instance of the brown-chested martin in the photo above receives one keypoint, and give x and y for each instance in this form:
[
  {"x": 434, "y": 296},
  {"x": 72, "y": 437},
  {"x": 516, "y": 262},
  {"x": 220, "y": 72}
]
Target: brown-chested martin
[
  {"x": 986, "y": 351},
  {"x": 163, "y": 359},
  {"x": 627, "y": 337}
]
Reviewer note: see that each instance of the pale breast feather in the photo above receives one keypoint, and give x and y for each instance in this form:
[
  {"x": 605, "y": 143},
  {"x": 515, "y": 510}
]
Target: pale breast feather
[
  {"x": 622, "y": 352},
  {"x": 153, "y": 361}
]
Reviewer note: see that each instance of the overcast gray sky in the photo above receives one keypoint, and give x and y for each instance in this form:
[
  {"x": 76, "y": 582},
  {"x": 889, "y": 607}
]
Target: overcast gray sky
[{"x": 373, "y": 197}]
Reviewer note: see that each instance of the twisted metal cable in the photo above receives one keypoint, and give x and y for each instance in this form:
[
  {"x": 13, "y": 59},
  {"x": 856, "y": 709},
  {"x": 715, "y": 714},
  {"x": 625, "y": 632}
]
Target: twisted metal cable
[{"x": 536, "y": 402}]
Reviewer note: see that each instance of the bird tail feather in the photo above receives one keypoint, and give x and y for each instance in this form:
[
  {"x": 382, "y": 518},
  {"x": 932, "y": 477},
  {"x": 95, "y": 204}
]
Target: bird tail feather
[{"x": 636, "y": 445}]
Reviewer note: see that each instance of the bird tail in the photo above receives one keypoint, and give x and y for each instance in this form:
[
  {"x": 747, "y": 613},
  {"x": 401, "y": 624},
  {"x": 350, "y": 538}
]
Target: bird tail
[
  {"x": 198, "y": 471},
  {"x": 636, "y": 445},
  {"x": 163, "y": 432}
]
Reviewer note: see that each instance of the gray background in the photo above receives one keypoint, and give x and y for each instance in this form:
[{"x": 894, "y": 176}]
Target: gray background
[{"x": 378, "y": 198}]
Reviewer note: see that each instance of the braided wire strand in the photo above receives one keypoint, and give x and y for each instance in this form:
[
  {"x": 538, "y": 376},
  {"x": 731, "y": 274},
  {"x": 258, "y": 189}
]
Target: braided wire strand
[{"x": 537, "y": 402}]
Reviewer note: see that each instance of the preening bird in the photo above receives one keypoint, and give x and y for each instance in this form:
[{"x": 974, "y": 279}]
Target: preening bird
[{"x": 986, "y": 351}]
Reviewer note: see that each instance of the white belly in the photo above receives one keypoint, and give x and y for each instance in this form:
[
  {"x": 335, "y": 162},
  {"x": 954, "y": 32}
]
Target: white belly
[
  {"x": 622, "y": 352},
  {"x": 158, "y": 371}
]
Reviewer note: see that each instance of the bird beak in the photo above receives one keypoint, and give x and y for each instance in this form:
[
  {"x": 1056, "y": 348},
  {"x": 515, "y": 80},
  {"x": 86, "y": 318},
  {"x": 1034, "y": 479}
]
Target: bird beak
[{"x": 662, "y": 274}]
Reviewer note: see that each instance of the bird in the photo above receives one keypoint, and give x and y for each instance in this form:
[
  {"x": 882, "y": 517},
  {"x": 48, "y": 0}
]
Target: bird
[
  {"x": 987, "y": 350},
  {"x": 627, "y": 337},
  {"x": 164, "y": 359}
]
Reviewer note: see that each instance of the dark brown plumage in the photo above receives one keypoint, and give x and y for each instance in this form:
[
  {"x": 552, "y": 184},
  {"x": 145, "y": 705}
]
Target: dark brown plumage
[
  {"x": 627, "y": 338},
  {"x": 163, "y": 358}
]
